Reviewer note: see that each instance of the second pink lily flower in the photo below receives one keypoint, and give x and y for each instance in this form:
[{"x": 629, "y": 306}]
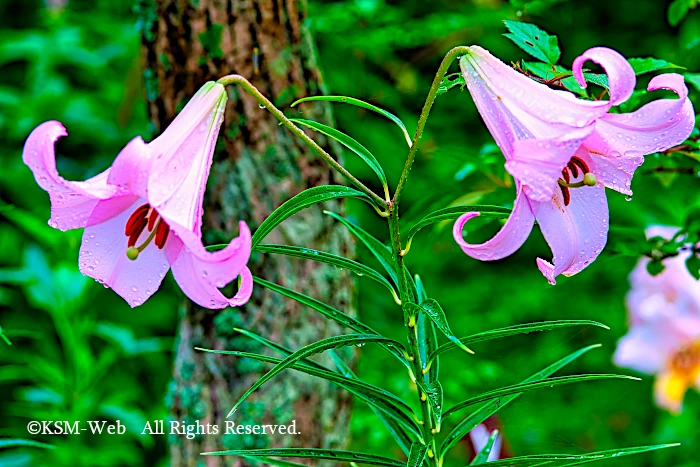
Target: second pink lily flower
[
  {"x": 143, "y": 215},
  {"x": 563, "y": 151}
]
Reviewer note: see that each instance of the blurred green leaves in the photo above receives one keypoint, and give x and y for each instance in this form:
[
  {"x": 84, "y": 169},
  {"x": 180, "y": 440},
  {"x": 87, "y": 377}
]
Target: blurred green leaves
[{"x": 534, "y": 41}]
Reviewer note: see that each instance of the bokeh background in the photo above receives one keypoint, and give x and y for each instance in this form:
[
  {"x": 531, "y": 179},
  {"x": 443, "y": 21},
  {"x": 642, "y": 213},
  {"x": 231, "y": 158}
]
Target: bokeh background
[{"x": 80, "y": 353}]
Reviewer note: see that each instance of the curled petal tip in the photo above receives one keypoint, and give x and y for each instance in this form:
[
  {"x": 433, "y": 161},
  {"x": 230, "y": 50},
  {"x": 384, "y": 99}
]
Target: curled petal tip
[{"x": 547, "y": 270}]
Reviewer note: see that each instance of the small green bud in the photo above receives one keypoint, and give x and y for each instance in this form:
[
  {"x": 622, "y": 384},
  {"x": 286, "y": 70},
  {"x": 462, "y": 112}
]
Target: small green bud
[
  {"x": 590, "y": 179},
  {"x": 132, "y": 253}
]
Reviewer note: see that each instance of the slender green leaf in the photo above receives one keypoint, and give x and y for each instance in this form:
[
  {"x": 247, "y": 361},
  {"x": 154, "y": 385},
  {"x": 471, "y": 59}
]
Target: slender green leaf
[
  {"x": 561, "y": 460},
  {"x": 677, "y": 11},
  {"x": 531, "y": 386},
  {"x": 301, "y": 201},
  {"x": 598, "y": 79},
  {"x": 396, "y": 430},
  {"x": 329, "y": 258},
  {"x": 434, "y": 394},
  {"x": 310, "y": 453},
  {"x": 515, "y": 330},
  {"x": 6, "y": 443},
  {"x": 484, "y": 412},
  {"x": 333, "y": 342},
  {"x": 377, "y": 248},
  {"x": 364, "y": 105},
  {"x": 534, "y": 41},
  {"x": 483, "y": 455},
  {"x": 352, "y": 145},
  {"x": 374, "y": 396},
  {"x": 330, "y": 313},
  {"x": 270, "y": 461},
  {"x": 426, "y": 336},
  {"x": 649, "y": 64},
  {"x": 453, "y": 212},
  {"x": 434, "y": 311},
  {"x": 417, "y": 454}
]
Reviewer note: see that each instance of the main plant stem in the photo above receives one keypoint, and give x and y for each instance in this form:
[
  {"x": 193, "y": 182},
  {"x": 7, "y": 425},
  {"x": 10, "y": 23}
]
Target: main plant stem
[{"x": 428, "y": 426}]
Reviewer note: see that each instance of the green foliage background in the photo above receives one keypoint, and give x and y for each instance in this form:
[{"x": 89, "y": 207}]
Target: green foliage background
[{"x": 81, "y": 353}]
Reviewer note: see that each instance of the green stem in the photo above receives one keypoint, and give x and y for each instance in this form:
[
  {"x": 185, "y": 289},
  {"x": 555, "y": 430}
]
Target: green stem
[
  {"x": 432, "y": 94},
  {"x": 406, "y": 297},
  {"x": 264, "y": 101}
]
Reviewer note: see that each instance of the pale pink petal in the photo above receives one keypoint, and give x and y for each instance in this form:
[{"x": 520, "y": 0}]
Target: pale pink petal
[
  {"x": 511, "y": 236},
  {"x": 538, "y": 163},
  {"x": 71, "y": 202},
  {"x": 530, "y": 102},
  {"x": 183, "y": 156},
  {"x": 576, "y": 233},
  {"x": 643, "y": 349},
  {"x": 131, "y": 168},
  {"x": 621, "y": 78},
  {"x": 620, "y": 140},
  {"x": 103, "y": 257},
  {"x": 200, "y": 273},
  {"x": 479, "y": 437}
]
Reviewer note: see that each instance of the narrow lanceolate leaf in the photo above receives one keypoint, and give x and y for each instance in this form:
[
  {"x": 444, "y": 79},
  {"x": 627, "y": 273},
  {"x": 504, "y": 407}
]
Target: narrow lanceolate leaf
[
  {"x": 330, "y": 313},
  {"x": 329, "y": 258},
  {"x": 433, "y": 392},
  {"x": 434, "y": 311},
  {"x": 265, "y": 461},
  {"x": 426, "y": 336},
  {"x": 301, "y": 453},
  {"x": 453, "y": 212},
  {"x": 561, "y": 460},
  {"x": 483, "y": 455},
  {"x": 534, "y": 41},
  {"x": 377, "y": 248},
  {"x": 531, "y": 386},
  {"x": 301, "y": 201},
  {"x": 352, "y": 145},
  {"x": 312, "y": 349},
  {"x": 374, "y": 396},
  {"x": 649, "y": 64},
  {"x": 6, "y": 443},
  {"x": 364, "y": 105},
  {"x": 394, "y": 428},
  {"x": 417, "y": 454},
  {"x": 515, "y": 330},
  {"x": 477, "y": 417},
  {"x": 602, "y": 455}
]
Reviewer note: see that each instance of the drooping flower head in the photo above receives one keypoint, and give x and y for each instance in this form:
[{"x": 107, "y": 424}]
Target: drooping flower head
[
  {"x": 563, "y": 151},
  {"x": 664, "y": 333},
  {"x": 143, "y": 215}
]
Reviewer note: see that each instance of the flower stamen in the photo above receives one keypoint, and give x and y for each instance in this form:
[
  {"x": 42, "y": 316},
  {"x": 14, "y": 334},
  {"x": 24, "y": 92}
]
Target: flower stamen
[
  {"x": 145, "y": 217},
  {"x": 574, "y": 165}
]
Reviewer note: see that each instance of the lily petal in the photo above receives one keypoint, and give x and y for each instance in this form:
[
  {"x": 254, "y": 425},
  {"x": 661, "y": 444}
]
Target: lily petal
[
  {"x": 201, "y": 273},
  {"x": 511, "y": 236},
  {"x": 71, "y": 202},
  {"x": 131, "y": 169},
  {"x": 621, "y": 77},
  {"x": 538, "y": 163},
  {"x": 669, "y": 390},
  {"x": 576, "y": 233},
  {"x": 643, "y": 349},
  {"x": 621, "y": 140},
  {"x": 103, "y": 257},
  {"x": 183, "y": 156}
]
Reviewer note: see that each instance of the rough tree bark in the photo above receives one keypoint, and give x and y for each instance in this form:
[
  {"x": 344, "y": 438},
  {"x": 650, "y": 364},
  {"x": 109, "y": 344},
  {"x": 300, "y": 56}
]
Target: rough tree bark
[{"x": 257, "y": 166}]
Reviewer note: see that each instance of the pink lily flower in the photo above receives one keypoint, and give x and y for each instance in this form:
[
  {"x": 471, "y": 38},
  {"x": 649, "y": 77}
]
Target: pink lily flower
[
  {"x": 143, "y": 215},
  {"x": 664, "y": 334},
  {"x": 563, "y": 151}
]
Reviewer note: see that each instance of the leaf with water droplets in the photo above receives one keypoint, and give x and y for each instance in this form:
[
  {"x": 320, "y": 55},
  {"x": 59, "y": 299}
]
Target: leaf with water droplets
[
  {"x": 483, "y": 455},
  {"x": 417, "y": 454},
  {"x": 534, "y": 41},
  {"x": 312, "y": 453}
]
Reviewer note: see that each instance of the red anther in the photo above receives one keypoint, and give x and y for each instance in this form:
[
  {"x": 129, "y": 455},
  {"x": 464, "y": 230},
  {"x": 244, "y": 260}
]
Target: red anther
[
  {"x": 574, "y": 169},
  {"x": 152, "y": 218},
  {"x": 565, "y": 173},
  {"x": 136, "y": 232},
  {"x": 162, "y": 232},
  {"x": 578, "y": 161},
  {"x": 566, "y": 194},
  {"x": 136, "y": 216}
]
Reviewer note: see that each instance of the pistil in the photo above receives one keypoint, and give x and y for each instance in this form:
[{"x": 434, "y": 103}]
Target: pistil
[{"x": 145, "y": 217}]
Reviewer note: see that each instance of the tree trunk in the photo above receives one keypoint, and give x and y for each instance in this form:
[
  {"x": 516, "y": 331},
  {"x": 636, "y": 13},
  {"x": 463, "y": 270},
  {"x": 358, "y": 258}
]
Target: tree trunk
[{"x": 257, "y": 166}]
